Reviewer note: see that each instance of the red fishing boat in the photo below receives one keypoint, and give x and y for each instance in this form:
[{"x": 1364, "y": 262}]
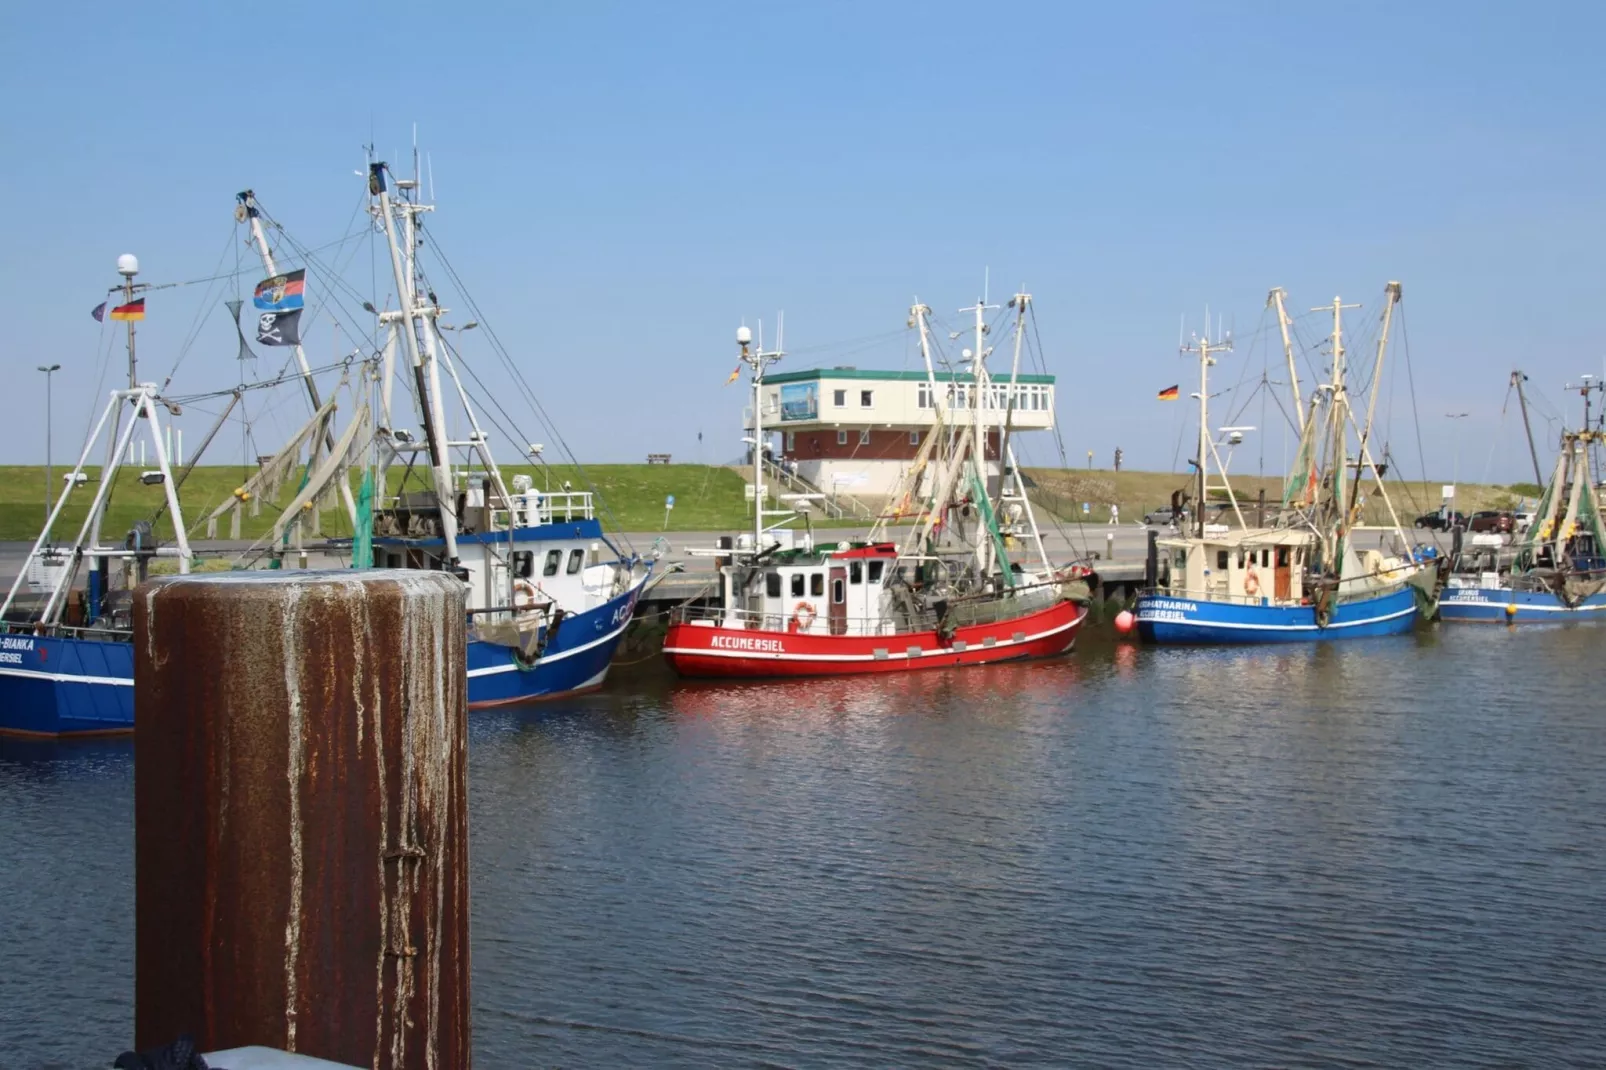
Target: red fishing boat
[{"x": 934, "y": 585}]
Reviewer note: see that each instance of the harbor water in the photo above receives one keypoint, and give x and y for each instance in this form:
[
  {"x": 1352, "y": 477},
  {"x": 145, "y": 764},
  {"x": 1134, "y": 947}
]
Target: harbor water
[{"x": 1381, "y": 852}]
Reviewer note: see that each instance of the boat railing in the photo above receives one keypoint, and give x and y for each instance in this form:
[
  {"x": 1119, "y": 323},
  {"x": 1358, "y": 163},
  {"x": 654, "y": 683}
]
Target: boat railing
[
  {"x": 960, "y": 614},
  {"x": 66, "y": 631},
  {"x": 535, "y": 508}
]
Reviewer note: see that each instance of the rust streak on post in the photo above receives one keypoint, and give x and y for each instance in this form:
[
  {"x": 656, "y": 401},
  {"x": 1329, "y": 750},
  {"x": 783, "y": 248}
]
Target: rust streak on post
[{"x": 301, "y": 816}]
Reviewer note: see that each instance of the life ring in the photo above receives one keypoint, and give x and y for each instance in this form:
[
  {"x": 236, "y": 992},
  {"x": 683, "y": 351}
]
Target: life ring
[
  {"x": 531, "y": 596},
  {"x": 1252, "y": 584},
  {"x": 802, "y": 616}
]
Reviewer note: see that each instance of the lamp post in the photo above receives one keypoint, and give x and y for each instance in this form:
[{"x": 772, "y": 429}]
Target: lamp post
[
  {"x": 50, "y": 494},
  {"x": 1455, "y": 466}
]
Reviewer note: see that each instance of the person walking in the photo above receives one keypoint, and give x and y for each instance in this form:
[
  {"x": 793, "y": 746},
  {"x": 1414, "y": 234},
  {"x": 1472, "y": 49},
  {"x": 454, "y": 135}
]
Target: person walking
[{"x": 1115, "y": 515}]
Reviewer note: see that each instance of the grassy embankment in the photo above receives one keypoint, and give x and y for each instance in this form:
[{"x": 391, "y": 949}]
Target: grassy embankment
[{"x": 707, "y": 498}]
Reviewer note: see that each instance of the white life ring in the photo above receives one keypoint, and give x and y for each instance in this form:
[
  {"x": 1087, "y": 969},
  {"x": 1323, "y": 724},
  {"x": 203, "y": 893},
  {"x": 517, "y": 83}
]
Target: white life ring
[
  {"x": 526, "y": 597},
  {"x": 803, "y": 615}
]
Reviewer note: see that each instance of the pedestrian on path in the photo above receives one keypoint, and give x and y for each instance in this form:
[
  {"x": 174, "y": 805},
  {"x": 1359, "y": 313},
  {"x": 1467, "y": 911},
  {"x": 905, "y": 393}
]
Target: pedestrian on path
[{"x": 1115, "y": 515}]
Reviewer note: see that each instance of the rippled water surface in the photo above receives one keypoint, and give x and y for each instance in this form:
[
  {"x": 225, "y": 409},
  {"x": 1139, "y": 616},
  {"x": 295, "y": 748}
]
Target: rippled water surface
[{"x": 1378, "y": 853}]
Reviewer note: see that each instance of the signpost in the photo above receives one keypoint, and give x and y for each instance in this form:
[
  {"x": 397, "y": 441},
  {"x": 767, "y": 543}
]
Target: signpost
[{"x": 669, "y": 503}]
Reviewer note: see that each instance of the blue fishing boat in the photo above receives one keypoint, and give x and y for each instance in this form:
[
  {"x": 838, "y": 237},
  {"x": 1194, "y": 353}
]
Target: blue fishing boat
[
  {"x": 1553, "y": 572},
  {"x": 549, "y": 594},
  {"x": 1303, "y": 578}
]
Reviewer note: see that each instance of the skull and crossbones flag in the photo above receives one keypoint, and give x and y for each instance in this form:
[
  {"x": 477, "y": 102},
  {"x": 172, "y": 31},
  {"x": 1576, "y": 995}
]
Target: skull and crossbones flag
[{"x": 279, "y": 328}]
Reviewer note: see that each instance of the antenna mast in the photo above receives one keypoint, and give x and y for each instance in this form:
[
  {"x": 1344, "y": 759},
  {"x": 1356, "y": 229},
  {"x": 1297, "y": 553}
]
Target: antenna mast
[{"x": 1283, "y": 322}]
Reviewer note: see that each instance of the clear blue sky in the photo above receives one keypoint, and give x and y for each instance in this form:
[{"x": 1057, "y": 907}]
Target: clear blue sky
[{"x": 622, "y": 184}]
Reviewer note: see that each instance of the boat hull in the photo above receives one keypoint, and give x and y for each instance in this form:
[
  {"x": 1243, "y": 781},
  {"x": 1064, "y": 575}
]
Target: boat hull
[
  {"x": 61, "y": 687},
  {"x": 698, "y": 650},
  {"x": 1168, "y": 619},
  {"x": 1495, "y": 605}
]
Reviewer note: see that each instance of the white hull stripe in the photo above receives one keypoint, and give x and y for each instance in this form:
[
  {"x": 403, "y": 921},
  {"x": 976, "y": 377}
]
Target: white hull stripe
[
  {"x": 766, "y": 655},
  {"x": 69, "y": 678},
  {"x": 1274, "y": 627},
  {"x": 1522, "y": 607}
]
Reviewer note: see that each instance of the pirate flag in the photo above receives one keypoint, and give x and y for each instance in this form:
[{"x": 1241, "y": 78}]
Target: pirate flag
[{"x": 279, "y": 328}]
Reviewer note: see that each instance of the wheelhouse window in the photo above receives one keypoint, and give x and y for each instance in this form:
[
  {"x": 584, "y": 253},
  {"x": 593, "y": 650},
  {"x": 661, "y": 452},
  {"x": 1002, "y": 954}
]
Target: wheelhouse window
[
  {"x": 772, "y": 584},
  {"x": 816, "y": 584},
  {"x": 855, "y": 572},
  {"x": 1282, "y": 557},
  {"x": 839, "y": 592},
  {"x": 523, "y": 564},
  {"x": 577, "y": 557},
  {"x": 554, "y": 558},
  {"x": 1221, "y": 560},
  {"x": 876, "y": 568},
  {"x": 797, "y": 584}
]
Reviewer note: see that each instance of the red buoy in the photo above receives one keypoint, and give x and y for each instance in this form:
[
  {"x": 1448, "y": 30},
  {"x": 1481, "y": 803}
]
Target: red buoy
[{"x": 1125, "y": 622}]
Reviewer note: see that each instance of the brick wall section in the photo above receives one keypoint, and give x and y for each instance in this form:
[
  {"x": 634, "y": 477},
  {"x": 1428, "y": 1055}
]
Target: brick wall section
[{"x": 884, "y": 445}]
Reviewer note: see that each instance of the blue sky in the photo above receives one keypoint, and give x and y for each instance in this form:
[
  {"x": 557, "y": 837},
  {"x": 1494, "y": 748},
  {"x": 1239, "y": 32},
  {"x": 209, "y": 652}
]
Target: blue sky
[{"x": 622, "y": 184}]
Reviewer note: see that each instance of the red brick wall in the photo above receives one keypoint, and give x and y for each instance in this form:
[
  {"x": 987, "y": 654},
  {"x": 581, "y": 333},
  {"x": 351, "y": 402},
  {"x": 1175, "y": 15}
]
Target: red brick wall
[{"x": 884, "y": 445}]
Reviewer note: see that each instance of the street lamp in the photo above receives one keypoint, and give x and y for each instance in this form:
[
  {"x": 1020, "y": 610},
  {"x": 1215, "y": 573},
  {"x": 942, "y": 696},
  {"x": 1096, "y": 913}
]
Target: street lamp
[
  {"x": 1455, "y": 465},
  {"x": 49, "y": 370}
]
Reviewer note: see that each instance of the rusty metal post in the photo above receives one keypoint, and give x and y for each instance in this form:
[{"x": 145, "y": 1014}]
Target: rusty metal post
[{"x": 301, "y": 815}]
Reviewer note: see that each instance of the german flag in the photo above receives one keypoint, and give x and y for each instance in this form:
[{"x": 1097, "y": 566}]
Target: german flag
[
  {"x": 1168, "y": 394},
  {"x": 134, "y": 310}
]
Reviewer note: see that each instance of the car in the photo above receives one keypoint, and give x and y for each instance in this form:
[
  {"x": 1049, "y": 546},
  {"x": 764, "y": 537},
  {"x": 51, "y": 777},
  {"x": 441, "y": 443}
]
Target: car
[
  {"x": 1493, "y": 521},
  {"x": 1523, "y": 521},
  {"x": 1437, "y": 521},
  {"x": 1162, "y": 516}
]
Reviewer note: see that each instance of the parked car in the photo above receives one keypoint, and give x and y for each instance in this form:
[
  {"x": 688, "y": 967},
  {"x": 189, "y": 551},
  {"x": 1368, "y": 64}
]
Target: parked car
[
  {"x": 1524, "y": 521},
  {"x": 1438, "y": 521},
  {"x": 1494, "y": 521},
  {"x": 1163, "y": 516}
]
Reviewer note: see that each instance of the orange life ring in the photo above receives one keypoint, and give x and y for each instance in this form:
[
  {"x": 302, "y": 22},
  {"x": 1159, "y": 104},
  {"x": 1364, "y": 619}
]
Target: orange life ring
[
  {"x": 531, "y": 596},
  {"x": 1252, "y": 584},
  {"x": 802, "y": 616}
]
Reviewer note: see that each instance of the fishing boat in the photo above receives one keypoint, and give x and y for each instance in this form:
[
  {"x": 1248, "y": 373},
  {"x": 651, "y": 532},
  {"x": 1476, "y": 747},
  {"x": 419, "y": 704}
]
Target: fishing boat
[
  {"x": 944, "y": 591},
  {"x": 1303, "y": 577},
  {"x": 549, "y": 594},
  {"x": 1553, "y": 572}
]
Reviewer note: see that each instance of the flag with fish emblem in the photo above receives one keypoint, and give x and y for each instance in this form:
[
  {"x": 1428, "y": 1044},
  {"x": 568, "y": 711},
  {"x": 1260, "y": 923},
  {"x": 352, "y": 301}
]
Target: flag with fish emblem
[
  {"x": 134, "y": 310},
  {"x": 1168, "y": 394},
  {"x": 99, "y": 312},
  {"x": 281, "y": 293},
  {"x": 279, "y": 328}
]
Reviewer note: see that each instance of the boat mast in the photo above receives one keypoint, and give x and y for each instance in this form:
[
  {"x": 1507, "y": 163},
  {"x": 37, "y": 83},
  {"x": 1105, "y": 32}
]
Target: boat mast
[
  {"x": 428, "y": 404},
  {"x": 1391, "y": 297},
  {"x": 1338, "y": 414},
  {"x": 1204, "y": 349},
  {"x": 758, "y": 361},
  {"x": 1283, "y": 322},
  {"x": 1020, "y": 302},
  {"x": 253, "y": 216},
  {"x": 1517, "y": 379},
  {"x": 979, "y": 396}
]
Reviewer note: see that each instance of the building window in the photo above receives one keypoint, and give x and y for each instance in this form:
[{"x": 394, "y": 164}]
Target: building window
[
  {"x": 816, "y": 584},
  {"x": 841, "y": 438},
  {"x": 923, "y": 396},
  {"x": 914, "y": 438},
  {"x": 839, "y": 398},
  {"x": 772, "y": 584},
  {"x": 791, "y": 440},
  {"x": 577, "y": 557},
  {"x": 876, "y": 568},
  {"x": 864, "y": 437},
  {"x": 866, "y": 398},
  {"x": 797, "y": 585},
  {"x": 855, "y": 572},
  {"x": 554, "y": 558}
]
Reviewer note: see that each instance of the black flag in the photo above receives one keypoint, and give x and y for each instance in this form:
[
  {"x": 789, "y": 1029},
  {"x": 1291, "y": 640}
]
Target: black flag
[{"x": 279, "y": 328}]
